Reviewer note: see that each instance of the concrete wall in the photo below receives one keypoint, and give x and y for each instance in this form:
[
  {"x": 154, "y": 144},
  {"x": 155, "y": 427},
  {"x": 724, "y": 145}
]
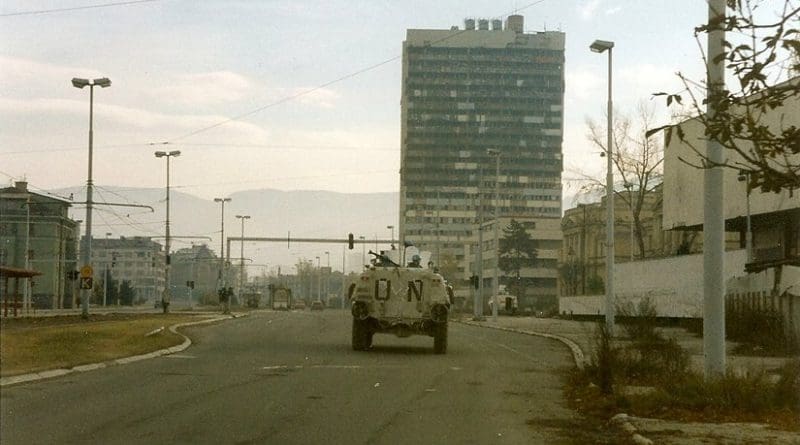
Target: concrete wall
[{"x": 675, "y": 286}]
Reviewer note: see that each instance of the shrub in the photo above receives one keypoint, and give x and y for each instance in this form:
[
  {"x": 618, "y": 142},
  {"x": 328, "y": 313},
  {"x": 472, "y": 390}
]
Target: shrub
[
  {"x": 760, "y": 329},
  {"x": 638, "y": 321}
]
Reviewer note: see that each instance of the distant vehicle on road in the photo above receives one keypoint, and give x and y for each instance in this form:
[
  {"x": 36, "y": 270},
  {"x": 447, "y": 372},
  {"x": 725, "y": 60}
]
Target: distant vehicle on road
[
  {"x": 317, "y": 305},
  {"x": 281, "y": 297},
  {"x": 252, "y": 299},
  {"x": 403, "y": 301},
  {"x": 299, "y": 304}
]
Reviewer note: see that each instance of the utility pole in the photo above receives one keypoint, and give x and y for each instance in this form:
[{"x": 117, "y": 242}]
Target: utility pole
[
  {"x": 478, "y": 305},
  {"x": 241, "y": 264},
  {"x": 496, "y": 281},
  {"x": 226, "y": 308},
  {"x": 713, "y": 198}
]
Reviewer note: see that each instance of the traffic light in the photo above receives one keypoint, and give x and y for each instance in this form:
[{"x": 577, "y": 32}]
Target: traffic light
[{"x": 350, "y": 241}]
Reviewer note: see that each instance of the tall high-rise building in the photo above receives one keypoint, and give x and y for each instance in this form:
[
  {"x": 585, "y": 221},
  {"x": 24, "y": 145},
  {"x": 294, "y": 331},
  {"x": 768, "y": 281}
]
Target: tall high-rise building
[{"x": 467, "y": 92}]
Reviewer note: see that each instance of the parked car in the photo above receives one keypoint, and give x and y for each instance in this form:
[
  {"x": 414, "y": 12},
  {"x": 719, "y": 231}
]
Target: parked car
[
  {"x": 317, "y": 305},
  {"x": 299, "y": 304}
]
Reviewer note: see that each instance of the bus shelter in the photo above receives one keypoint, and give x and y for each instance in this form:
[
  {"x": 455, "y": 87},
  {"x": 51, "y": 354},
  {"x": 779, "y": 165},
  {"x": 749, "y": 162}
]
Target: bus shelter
[{"x": 11, "y": 299}]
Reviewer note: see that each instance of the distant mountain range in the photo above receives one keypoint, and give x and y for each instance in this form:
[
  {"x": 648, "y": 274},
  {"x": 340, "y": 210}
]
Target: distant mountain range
[{"x": 273, "y": 213}]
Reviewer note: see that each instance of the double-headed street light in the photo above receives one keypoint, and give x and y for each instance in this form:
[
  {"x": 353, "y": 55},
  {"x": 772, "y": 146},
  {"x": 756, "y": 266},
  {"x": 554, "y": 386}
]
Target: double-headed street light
[
  {"x": 241, "y": 254},
  {"x": 495, "y": 282},
  {"x": 600, "y": 46},
  {"x": 165, "y": 298},
  {"x": 221, "y": 276},
  {"x": 102, "y": 82}
]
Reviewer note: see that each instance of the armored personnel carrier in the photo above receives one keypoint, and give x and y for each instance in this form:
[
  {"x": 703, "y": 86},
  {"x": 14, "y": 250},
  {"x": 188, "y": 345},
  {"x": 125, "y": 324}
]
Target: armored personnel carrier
[{"x": 404, "y": 301}]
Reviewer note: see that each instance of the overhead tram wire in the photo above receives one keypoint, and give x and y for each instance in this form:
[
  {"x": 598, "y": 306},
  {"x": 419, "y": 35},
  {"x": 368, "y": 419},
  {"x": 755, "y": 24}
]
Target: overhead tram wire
[
  {"x": 75, "y": 8},
  {"x": 241, "y": 116},
  {"x": 323, "y": 85}
]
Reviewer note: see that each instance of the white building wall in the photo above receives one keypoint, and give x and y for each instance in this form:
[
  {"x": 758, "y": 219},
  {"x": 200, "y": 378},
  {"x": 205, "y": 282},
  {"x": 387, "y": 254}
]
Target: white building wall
[
  {"x": 683, "y": 183},
  {"x": 674, "y": 285}
]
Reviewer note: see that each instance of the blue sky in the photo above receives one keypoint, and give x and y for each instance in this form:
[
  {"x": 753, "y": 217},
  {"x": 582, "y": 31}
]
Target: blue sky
[{"x": 179, "y": 66}]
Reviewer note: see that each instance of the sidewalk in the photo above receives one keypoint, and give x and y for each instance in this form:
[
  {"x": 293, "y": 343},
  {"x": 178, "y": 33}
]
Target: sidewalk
[
  {"x": 648, "y": 431},
  {"x": 582, "y": 333}
]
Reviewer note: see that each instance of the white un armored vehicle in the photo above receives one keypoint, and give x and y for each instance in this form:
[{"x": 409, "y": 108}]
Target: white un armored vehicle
[{"x": 404, "y": 301}]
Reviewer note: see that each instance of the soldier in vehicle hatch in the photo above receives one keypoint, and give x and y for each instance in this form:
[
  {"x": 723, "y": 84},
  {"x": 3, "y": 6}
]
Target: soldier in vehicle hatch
[{"x": 415, "y": 261}]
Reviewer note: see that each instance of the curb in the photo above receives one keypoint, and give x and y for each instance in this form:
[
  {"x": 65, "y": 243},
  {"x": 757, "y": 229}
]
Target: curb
[
  {"x": 50, "y": 373},
  {"x": 577, "y": 353},
  {"x": 623, "y": 422}
]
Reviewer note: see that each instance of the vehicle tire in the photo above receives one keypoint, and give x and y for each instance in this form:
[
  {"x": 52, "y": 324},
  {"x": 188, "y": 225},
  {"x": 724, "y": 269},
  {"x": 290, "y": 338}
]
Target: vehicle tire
[
  {"x": 361, "y": 335},
  {"x": 440, "y": 338}
]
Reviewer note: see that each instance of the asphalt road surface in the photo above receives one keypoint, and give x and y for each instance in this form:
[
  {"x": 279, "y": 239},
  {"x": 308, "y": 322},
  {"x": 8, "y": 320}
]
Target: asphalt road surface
[{"x": 292, "y": 378}]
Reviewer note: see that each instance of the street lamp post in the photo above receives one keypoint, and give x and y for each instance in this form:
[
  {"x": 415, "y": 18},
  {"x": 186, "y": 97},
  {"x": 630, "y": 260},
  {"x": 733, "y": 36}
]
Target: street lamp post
[
  {"x": 105, "y": 278},
  {"x": 221, "y": 277},
  {"x": 241, "y": 257},
  {"x": 363, "y": 252},
  {"x": 165, "y": 298},
  {"x": 102, "y": 82},
  {"x": 328, "y": 276},
  {"x": 600, "y": 46},
  {"x": 495, "y": 282},
  {"x": 319, "y": 279}
]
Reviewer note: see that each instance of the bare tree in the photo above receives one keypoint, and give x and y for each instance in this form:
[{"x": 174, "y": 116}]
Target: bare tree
[
  {"x": 761, "y": 55},
  {"x": 637, "y": 159}
]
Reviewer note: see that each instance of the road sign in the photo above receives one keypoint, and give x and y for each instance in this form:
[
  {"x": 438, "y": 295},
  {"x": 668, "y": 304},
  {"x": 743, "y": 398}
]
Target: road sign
[
  {"x": 86, "y": 283},
  {"x": 86, "y": 271}
]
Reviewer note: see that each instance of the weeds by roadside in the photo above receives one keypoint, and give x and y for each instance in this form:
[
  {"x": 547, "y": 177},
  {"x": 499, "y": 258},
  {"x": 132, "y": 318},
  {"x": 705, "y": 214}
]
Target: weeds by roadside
[{"x": 645, "y": 374}]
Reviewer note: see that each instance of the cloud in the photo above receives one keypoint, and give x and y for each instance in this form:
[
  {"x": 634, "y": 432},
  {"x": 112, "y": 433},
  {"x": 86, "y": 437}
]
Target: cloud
[
  {"x": 587, "y": 9},
  {"x": 25, "y": 75},
  {"x": 320, "y": 97},
  {"x": 614, "y": 10},
  {"x": 204, "y": 88}
]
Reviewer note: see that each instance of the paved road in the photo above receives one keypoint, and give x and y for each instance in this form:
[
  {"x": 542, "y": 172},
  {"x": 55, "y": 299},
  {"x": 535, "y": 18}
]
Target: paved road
[{"x": 292, "y": 378}]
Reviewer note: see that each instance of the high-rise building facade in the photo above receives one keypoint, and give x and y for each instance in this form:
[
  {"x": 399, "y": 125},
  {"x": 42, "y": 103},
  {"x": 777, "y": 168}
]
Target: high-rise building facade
[{"x": 467, "y": 92}]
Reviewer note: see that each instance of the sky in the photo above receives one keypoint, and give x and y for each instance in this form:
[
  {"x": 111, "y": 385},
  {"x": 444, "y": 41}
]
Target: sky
[
  {"x": 289, "y": 95},
  {"x": 280, "y": 94}
]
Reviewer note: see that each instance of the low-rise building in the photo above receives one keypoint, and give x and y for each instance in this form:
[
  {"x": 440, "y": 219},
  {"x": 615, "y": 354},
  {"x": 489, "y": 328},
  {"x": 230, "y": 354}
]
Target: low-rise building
[
  {"x": 37, "y": 233},
  {"x": 138, "y": 259}
]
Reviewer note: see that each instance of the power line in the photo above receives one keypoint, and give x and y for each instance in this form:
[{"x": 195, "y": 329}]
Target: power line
[
  {"x": 76, "y": 8},
  {"x": 265, "y": 146},
  {"x": 331, "y": 82}
]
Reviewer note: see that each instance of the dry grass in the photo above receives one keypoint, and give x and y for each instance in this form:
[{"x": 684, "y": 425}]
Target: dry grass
[{"x": 38, "y": 344}]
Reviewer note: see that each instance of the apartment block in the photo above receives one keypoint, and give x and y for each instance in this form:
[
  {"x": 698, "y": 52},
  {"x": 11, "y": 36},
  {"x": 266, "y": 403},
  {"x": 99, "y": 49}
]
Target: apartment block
[
  {"x": 470, "y": 96},
  {"x": 37, "y": 233},
  {"x": 137, "y": 259}
]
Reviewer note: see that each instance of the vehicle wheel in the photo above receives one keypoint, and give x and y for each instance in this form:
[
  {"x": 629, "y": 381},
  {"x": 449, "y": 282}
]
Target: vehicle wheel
[
  {"x": 440, "y": 338},
  {"x": 361, "y": 335}
]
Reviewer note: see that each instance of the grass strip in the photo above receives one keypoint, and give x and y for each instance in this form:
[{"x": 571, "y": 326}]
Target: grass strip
[{"x": 33, "y": 345}]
